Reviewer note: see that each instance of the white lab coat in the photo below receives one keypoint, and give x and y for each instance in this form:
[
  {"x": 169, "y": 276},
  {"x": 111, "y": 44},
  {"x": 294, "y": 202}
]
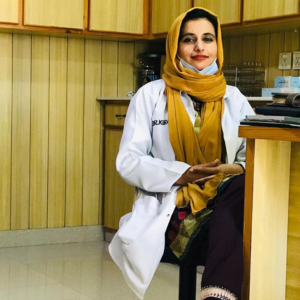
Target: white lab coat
[{"x": 147, "y": 161}]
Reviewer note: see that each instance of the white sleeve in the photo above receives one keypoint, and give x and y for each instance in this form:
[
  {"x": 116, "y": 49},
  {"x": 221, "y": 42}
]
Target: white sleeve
[
  {"x": 241, "y": 153},
  {"x": 134, "y": 162}
]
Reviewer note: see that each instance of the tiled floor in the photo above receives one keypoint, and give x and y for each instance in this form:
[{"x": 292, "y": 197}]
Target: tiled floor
[{"x": 79, "y": 271}]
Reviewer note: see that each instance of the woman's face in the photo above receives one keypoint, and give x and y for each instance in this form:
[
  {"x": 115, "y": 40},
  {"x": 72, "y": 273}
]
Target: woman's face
[{"x": 197, "y": 44}]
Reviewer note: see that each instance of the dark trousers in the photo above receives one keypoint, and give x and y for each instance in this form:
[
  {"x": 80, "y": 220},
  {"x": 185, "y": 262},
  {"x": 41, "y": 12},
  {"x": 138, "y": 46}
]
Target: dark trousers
[{"x": 219, "y": 245}]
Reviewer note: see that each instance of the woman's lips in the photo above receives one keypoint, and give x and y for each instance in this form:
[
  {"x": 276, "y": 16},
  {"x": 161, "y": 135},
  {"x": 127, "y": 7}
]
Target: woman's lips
[{"x": 199, "y": 57}]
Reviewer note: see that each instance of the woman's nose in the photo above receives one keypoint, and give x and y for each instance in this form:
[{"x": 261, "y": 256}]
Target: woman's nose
[{"x": 198, "y": 46}]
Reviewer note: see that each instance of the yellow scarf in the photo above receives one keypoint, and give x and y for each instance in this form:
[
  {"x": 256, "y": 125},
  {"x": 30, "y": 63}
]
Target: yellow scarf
[{"x": 188, "y": 146}]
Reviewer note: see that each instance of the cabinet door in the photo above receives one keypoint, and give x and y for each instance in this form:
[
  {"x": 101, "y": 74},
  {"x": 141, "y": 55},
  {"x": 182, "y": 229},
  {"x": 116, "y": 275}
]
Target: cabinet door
[
  {"x": 228, "y": 11},
  {"x": 117, "y": 16},
  {"x": 118, "y": 195},
  {"x": 165, "y": 12},
  {"x": 9, "y": 11},
  {"x": 55, "y": 13},
  {"x": 258, "y": 9}
]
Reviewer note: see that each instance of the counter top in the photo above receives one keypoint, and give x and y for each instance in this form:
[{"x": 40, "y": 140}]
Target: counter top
[
  {"x": 128, "y": 98},
  {"x": 113, "y": 98}
]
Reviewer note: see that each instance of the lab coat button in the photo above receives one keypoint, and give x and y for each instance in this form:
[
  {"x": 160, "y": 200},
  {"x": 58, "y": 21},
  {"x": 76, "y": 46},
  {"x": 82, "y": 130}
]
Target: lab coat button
[{"x": 168, "y": 215}]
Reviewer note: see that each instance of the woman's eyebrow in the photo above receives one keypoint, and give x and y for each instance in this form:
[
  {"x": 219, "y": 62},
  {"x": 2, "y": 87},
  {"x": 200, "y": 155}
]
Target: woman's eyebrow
[{"x": 209, "y": 33}]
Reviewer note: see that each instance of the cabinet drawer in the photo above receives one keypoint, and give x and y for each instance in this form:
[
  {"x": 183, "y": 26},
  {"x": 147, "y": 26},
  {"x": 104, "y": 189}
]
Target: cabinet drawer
[{"x": 115, "y": 114}]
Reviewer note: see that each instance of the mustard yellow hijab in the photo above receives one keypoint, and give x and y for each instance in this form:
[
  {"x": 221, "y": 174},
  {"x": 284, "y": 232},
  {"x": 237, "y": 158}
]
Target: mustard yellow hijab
[{"x": 188, "y": 146}]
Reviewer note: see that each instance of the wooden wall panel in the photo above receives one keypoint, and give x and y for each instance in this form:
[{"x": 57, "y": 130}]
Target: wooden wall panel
[
  {"x": 236, "y": 51},
  {"x": 91, "y": 163},
  {"x": 74, "y": 156},
  {"x": 9, "y": 12},
  {"x": 109, "y": 79},
  {"x": 276, "y": 46},
  {"x": 21, "y": 131},
  {"x": 249, "y": 46},
  {"x": 137, "y": 75},
  {"x": 226, "y": 51},
  {"x": 5, "y": 125},
  {"x": 291, "y": 43},
  {"x": 262, "y": 53},
  {"x": 57, "y": 132},
  {"x": 39, "y": 132},
  {"x": 125, "y": 68}
]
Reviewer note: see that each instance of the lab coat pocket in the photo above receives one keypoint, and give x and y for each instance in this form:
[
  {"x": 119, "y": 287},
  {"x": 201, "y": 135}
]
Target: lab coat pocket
[{"x": 145, "y": 211}]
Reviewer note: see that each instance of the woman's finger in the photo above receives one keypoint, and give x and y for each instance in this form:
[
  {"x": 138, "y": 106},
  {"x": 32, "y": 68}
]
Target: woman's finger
[{"x": 204, "y": 179}]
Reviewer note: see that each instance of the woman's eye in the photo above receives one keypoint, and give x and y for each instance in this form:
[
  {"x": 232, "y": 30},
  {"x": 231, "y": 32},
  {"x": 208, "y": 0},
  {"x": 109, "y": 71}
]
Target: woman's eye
[
  {"x": 208, "y": 39},
  {"x": 188, "y": 40}
]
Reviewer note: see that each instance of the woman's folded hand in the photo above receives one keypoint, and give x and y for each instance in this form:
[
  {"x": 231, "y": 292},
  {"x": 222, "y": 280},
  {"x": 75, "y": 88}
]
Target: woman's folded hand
[{"x": 200, "y": 174}]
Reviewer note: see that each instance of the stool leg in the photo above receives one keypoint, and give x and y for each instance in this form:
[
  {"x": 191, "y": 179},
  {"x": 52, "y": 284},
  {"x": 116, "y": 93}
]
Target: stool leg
[{"x": 187, "y": 283}]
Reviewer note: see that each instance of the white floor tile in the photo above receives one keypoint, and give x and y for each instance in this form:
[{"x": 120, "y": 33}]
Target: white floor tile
[{"x": 78, "y": 271}]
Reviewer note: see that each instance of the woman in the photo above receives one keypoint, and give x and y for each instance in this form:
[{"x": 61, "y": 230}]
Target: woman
[{"x": 179, "y": 146}]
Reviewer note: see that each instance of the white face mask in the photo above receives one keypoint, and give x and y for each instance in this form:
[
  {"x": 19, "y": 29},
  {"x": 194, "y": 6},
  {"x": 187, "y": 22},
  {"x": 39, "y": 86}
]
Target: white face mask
[{"x": 210, "y": 70}]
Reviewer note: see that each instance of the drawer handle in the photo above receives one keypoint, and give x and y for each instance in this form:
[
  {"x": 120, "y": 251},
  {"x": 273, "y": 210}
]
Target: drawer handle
[{"x": 120, "y": 116}]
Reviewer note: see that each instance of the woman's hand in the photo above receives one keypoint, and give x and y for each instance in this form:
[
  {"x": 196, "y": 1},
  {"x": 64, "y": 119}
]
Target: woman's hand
[{"x": 199, "y": 174}]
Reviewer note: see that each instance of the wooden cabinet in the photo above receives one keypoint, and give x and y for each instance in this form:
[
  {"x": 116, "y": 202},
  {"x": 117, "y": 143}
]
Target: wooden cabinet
[
  {"x": 9, "y": 11},
  {"x": 165, "y": 12},
  {"x": 117, "y": 16},
  {"x": 118, "y": 195},
  {"x": 228, "y": 11},
  {"x": 258, "y": 9},
  {"x": 54, "y": 13}
]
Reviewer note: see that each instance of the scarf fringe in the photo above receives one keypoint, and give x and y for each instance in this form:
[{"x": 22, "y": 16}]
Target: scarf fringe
[{"x": 216, "y": 292}]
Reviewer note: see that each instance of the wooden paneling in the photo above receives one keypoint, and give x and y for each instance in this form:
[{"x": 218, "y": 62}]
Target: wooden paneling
[
  {"x": 118, "y": 194},
  {"x": 236, "y": 51},
  {"x": 276, "y": 46},
  {"x": 109, "y": 81},
  {"x": 39, "y": 132},
  {"x": 9, "y": 11},
  {"x": 5, "y": 125},
  {"x": 117, "y": 15},
  {"x": 228, "y": 11},
  {"x": 52, "y": 127},
  {"x": 54, "y": 13},
  {"x": 137, "y": 78},
  {"x": 226, "y": 51},
  {"x": 249, "y": 45},
  {"x": 291, "y": 43},
  {"x": 257, "y": 9},
  {"x": 57, "y": 132},
  {"x": 21, "y": 131},
  {"x": 91, "y": 147},
  {"x": 125, "y": 68},
  {"x": 74, "y": 155},
  {"x": 263, "y": 52},
  {"x": 293, "y": 247},
  {"x": 270, "y": 219},
  {"x": 165, "y": 12}
]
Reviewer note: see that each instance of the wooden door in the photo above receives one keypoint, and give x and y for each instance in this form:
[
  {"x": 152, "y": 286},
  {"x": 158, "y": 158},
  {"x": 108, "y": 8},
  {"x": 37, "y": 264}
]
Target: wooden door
[
  {"x": 165, "y": 12},
  {"x": 9, "y": 11},
  {"x": 125, "y": 16},
  {"x": 118, "y": 195},
  {"x": 54, "y": 13},
  {"x": 258, "y": 9},
  {"x": 228, "y": 11}
]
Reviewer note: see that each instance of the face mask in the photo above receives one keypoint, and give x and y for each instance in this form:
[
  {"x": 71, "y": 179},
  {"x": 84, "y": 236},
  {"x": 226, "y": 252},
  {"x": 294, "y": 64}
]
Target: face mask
[{"x": 210, "y": 70}]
